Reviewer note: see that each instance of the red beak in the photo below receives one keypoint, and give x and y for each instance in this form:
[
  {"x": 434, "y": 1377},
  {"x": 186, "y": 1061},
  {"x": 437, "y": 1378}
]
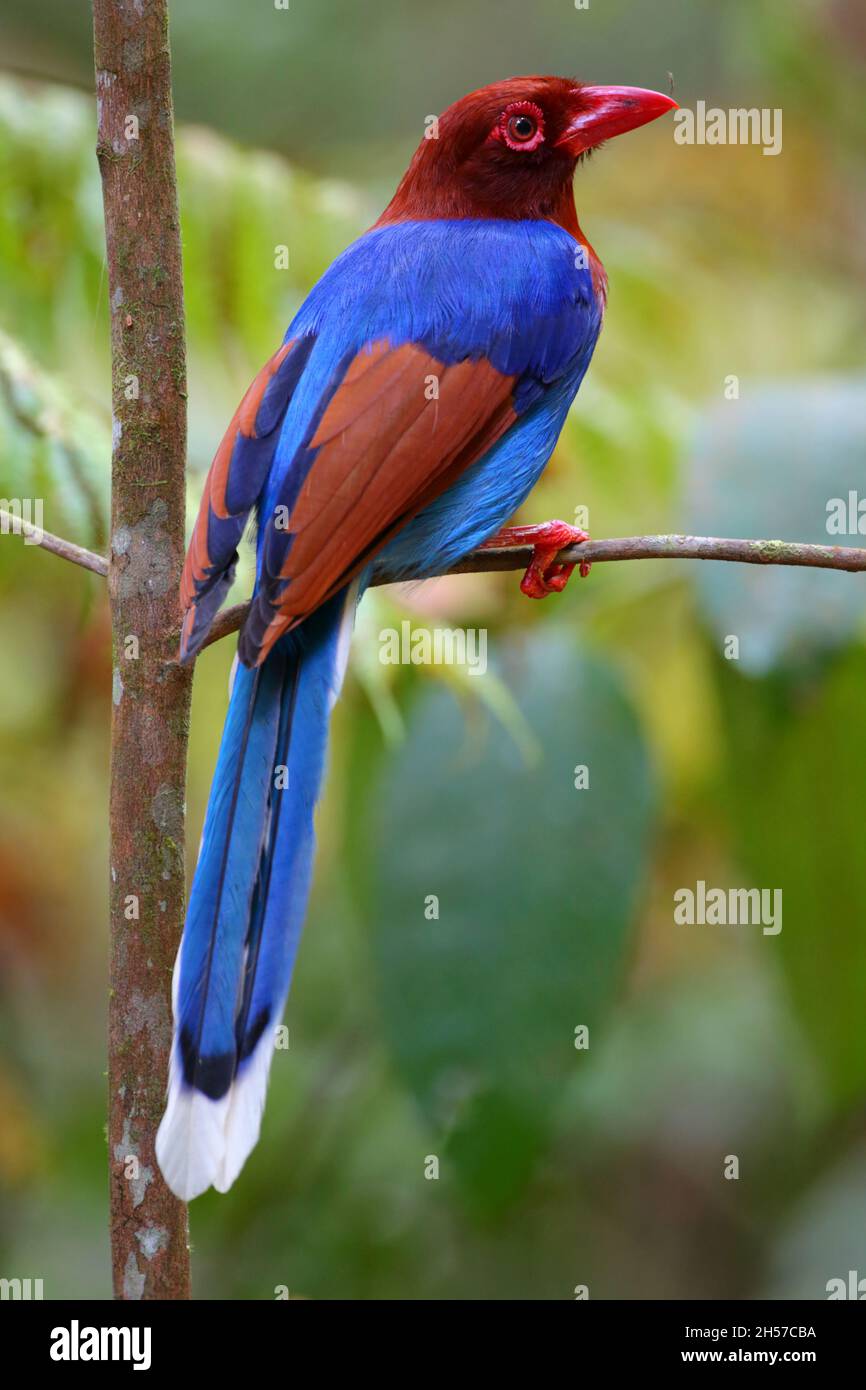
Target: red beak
[{"x": 601, "y": 112}]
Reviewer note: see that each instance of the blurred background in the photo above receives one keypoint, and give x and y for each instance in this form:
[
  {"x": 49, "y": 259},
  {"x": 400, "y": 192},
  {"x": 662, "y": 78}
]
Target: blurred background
[{"x": 413, "y": 1038}]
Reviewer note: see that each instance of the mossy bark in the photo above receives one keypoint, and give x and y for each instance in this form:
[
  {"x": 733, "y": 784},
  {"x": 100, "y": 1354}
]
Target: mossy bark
[{"x": 151, "y": 693}]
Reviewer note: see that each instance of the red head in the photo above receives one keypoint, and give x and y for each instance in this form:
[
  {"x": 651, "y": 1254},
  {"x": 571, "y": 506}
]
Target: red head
[{"x": 510, "y": 150}]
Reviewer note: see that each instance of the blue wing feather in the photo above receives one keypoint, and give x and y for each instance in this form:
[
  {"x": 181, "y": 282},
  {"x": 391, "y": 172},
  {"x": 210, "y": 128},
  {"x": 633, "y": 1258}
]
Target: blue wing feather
[{"x": 516, "y": 293}]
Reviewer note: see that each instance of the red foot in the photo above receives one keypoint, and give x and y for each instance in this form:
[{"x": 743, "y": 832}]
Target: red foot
[{"x": 543, "y": 575}]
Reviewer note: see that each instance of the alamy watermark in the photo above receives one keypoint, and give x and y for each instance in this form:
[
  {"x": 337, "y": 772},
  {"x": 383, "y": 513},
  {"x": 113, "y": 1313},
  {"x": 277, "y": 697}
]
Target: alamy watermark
[
  {"x": 77, "y": 1343},
  {"x": 22, "y": 516},
  {"x": 737, "y": 126},
  {"x": 438, "y": 646},
  {"x": 846, "y": 516},
  {"x": 21, "y": 1290},
  {"x": 729, "y": 907},
  {"x": 851, "y": 1288}
]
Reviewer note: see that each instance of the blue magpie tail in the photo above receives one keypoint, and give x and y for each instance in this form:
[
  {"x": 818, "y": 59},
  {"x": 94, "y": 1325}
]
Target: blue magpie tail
[{"x": 248, "y": 901}]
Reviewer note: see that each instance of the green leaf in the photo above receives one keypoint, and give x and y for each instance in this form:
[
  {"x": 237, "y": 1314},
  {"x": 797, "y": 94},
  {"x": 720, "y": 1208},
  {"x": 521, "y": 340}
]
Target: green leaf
[
  {"x": 797, "y": 771},
  {"x": 536, "y": 885}
]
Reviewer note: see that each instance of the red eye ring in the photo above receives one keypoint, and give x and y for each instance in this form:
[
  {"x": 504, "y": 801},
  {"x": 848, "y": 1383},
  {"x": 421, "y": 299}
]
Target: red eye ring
[{"x": 521, "y": 126}]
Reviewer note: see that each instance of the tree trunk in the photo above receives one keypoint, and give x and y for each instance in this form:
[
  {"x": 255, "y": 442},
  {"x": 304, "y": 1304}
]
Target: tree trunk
[{"x": 151, "y": 693}]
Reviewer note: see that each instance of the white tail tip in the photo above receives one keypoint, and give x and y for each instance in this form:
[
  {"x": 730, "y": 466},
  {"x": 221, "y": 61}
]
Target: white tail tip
[{"x": 204, "y": 1143}]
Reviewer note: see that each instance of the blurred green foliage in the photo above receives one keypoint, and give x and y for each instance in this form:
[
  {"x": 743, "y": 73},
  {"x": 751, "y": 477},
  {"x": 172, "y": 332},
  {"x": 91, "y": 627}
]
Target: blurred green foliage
[
  {"x": 479, "y": 997},
  {"x": 414, "y": 1037}
]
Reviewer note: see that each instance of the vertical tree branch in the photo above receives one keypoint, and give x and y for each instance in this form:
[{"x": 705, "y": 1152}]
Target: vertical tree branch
[{"x": 151, "y": 693}]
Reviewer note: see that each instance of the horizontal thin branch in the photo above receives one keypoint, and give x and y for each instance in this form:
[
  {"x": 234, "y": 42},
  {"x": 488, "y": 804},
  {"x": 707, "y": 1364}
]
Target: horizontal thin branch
[
  {"x": 67, "y": 550},
  {"x": 822, "y": 557},
  {"x": 826, "y": 557}
]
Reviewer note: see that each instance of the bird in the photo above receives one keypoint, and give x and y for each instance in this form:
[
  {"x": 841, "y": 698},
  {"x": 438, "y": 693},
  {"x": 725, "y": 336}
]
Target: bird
[{"x": 414, "y": 402}]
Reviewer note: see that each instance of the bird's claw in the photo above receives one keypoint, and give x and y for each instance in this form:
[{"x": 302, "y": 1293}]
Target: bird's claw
[{"x": 544, "y": 574}]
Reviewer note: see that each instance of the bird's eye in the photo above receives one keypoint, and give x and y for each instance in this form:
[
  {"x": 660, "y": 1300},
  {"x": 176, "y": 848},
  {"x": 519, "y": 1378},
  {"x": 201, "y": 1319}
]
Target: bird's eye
[{"x": 522, "y": 128}]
